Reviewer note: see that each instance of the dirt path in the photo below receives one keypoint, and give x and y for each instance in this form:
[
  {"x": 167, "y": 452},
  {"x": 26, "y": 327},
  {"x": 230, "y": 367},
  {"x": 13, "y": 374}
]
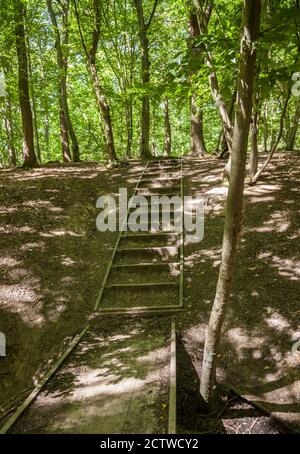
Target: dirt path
[{"x": 51, "y": 275}]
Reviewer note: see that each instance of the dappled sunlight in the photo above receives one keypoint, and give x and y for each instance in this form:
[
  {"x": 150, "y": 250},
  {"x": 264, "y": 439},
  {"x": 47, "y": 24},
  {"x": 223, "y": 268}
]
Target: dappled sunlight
[
  {"x": 59, "y": 232},
  {"x": 40, "y": 245},
  {"x": 20, "y": 300},
  {"x": 11, "y": 229},
  {"x": 107, "y": 383},
  {"x": 277, "y": 321},
  {"x": 287, "y": 267},
  {"x": 279, "y": 221}
]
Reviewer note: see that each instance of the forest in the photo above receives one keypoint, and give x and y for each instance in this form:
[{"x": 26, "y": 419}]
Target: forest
[{"x": 163, "y": 98}]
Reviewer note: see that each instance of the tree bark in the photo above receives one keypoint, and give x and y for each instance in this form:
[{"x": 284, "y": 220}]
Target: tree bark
[
  {"x": 233, "y": 221},
  {"x": 64, "y": 136},
  {"x": 224, "y": 145},
  {"x": 214, "y": 84},
  {"x": 102, "y": 103},
  {"x": 104, "y": 108},
  {"x": 254, "y": 139},
  {"x": 12, "y": 156},
  {"x": 197, "y": 135},
  {"x": 8, "y": 122},
  {"x": 34, "y": 112},
  {"x": 47, "y": 134},
  {"x": 292, "y": 137},
  {"x": 266, "y": 127},
  {"x": 167, "y": 129},
  {"x": 129, "y": 126},
  {"x": 29, "y": 155},
  {"x": 145, "y": 75},
  {"x": 62, "y": 62}
]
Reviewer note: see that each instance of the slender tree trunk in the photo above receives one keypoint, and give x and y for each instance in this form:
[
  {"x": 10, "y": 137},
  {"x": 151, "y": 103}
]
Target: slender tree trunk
[
  {"x": 167, "y": 129},
  {"x": 254, "y": 146},
  {"x": 145, "y": 71},
  {"x": 197, "y": 135},
  {"x": 12, "y": 156},
  {"x": 63, "y": 92},
  {"x": 34, "y": 111},
  {"x": 129, "y": 126},
  {"x": 9, "y": 127},
  {"x": 224, "y": 145},
  {"x": 292, "y": 137},
  {"x": 214, "y": 83},
  {"x": 276, "y": 140},
  {"x": 64, "y": 136},
  {"x": 266, "y": 127},
  {"x": 47, "y": 134},
  {"x": 26, "y": 113},
  {"x": 233, "y": 221},
  {"x": 102, "y": 103},
  {"x": 105, "y": 111},
  {"x": 254, "y": 139}
]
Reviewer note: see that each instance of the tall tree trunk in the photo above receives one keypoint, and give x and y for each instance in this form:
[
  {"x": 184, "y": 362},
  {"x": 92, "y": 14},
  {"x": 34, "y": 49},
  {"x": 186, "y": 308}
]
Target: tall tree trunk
[
  {"x": 266, "y": 127},
  {"x": 201, "y": 14},
  {"x": 8, "y": 123},
  {"x": 276, "y": 140},
  {"x": 254, "y": 139},
  {"x": 254, "y": 146},
  {"x": 47, "y": 134},
  {"x": 34, "y": 112},
  {"x": 129, "y": 126},
  {"x": 145, "y": 73},
  {"x": 29, "y": 155},
  {"x": 104, "y": 108},
  {"x": 233, "y": 221},
  {"x": 224, "y": 145},
  {"x": 167, "y": 129},
  {"x": 292, "y": 137},
  {"x": 12, "y": 156},
  {"x": 102, "y": 103},
  {"x": 64, "y": 136},
  {"x": 62, "y": 62},
  {"x": 197, "y": 135}
]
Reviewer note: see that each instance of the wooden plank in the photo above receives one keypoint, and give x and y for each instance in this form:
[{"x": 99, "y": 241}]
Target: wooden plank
[
  {"x": 140, "y": 310},
  {"x": 162, "y": 188},
  {"x": 172, "y": 390},
  {"x": 144, "y": 285},
  {"x": 43, "y": 382},
  {"x": 148, "y": 234},
  {"x": 158, "y": 194},
  {"x": 147, "y": 264},
  {"x": 150, "y": 180},
  {"x": 148, "y": 249}
]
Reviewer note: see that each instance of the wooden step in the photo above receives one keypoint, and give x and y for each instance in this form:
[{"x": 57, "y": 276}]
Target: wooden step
[
  {"x": 143, "y": 286},
  {"x": 158, "y": 188},
  {"x": 135, "y": 235},
  {"x": 141, "y": 310},
  {"x": 147, "y": 249},
  {"x": 150, "y": 180},
  {"x": 162, "y": 174},
  {"x": 146, "y": 265},
  {"x": 159, "y": 194}
]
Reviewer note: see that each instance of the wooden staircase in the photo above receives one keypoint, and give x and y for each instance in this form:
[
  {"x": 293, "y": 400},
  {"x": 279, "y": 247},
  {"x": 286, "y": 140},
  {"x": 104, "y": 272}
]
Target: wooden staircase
[{"x": 145, "y": 272}]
